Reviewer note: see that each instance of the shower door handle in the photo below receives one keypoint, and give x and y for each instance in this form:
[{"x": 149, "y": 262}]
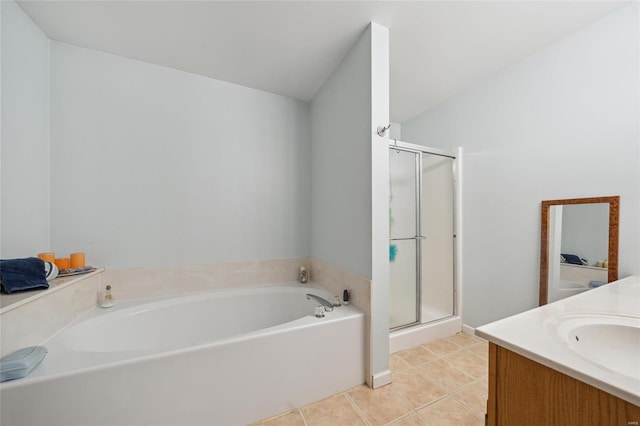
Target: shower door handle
[{"x": 417, "y": 237}]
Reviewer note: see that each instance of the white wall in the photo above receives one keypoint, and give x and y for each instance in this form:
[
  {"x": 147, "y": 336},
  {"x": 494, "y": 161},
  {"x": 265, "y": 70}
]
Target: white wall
[
  {"x": 341, "y": 164},
  {"x": 24, "y": 151},
  {"x": 350, "y": 178},
  {"x": 395, "y": 132},
  {"x": 380, "y": 64},
  {"x": 152, "y": 166},
  {"x": 562, "y": 123}
]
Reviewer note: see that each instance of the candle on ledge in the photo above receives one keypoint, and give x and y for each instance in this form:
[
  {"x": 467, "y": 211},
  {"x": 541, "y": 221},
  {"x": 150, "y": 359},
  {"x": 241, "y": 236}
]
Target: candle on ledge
[
  {"x": 77, "y": 260},
  {"x": 48, "y": 256},
  {"x": 62, "y": 263}
]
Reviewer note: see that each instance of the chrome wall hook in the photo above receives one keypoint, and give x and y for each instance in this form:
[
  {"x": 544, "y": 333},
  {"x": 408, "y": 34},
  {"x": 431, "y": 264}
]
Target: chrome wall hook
[{"x": 382, "y": 131}]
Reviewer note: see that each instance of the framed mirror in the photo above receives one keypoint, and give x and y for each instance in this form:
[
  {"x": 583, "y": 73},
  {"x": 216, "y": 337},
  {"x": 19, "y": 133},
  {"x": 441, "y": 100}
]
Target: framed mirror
[{"x": 578, "y": 245}]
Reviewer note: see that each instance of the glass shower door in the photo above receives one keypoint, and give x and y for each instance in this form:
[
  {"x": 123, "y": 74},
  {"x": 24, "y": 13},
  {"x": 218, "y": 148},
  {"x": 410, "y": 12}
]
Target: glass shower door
[
  {"x": 436, "y": 223},
  {"x": 404, "y": 232}
]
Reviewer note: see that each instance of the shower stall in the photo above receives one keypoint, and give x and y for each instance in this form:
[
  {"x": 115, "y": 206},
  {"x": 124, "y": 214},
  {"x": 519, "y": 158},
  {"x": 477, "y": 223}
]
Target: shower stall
[{"x": 423, "y": 227}]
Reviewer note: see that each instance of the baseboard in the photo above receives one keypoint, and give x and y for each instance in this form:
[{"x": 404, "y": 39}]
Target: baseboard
[
  {"x": 466, "y": 329},
  {"x": 381, "y": 379}
]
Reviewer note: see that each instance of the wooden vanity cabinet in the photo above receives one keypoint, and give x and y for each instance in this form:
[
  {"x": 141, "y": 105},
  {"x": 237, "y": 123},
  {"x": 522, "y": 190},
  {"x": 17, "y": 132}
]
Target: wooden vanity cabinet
[{"x": 523, "y": 392}]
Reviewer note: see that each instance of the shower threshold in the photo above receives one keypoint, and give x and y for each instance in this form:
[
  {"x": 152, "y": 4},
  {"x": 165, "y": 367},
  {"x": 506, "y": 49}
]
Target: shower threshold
[{"x": 418, "y": 334}]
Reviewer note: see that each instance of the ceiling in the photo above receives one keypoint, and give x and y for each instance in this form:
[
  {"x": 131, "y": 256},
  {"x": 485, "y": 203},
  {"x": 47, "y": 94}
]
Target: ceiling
[{"x": 438, "y": 48}]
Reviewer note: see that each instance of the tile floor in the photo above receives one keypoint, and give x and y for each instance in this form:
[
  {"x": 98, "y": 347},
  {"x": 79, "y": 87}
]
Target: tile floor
[{"x": 443, "y": 382}]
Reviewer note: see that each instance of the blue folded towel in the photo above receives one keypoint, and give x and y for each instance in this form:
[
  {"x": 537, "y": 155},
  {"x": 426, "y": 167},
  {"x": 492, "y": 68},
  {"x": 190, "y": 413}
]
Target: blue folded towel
[
  {"x": 22, "y": 274},
  {"x": 573, "y": 259}
]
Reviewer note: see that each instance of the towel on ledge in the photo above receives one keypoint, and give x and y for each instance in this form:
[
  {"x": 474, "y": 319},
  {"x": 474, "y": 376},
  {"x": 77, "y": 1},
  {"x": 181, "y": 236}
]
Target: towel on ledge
[
  {"x": 22, "y": 274},
  {"x": 573, "y": 259}
]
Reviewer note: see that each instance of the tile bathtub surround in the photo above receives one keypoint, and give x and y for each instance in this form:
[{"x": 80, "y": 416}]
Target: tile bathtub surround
[
  {"x": 443, "y": 382},
  {"x": 35, "y": 320},
  {"x": 336, "y": 280},
  {"x": 139, "y": 283}
]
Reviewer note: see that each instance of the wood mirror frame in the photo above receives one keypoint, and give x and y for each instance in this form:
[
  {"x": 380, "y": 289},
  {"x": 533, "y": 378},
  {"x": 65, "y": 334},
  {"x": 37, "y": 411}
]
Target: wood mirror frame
[{"x": 614, "y": 211}]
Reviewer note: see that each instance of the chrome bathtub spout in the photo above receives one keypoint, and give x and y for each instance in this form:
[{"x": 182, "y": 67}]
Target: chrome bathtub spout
[{"x": 328, "y": 306}]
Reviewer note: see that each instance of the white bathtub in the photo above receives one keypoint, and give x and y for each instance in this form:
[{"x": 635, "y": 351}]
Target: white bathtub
[
  {"x": 221, "y": 358},
  {"x": 565, "y": 288}
]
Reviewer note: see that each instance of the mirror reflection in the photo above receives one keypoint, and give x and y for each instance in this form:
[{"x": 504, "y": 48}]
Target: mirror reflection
[{"x": 579, "y": 246}]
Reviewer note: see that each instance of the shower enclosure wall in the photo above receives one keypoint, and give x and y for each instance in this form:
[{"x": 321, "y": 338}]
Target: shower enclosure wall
[{"x": 422, "y": 246}]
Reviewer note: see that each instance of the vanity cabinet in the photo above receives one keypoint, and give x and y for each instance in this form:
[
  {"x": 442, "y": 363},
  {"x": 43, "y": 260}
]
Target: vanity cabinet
[{"x": 523, "y": 392}]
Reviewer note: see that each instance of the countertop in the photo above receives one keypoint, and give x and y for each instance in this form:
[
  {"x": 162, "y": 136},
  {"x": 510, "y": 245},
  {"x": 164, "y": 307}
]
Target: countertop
[{"x": 535, "y": 334}]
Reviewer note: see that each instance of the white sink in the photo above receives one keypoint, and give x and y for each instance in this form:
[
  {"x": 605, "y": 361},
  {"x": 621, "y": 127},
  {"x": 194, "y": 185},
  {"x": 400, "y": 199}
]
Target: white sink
[{"x": 610, "y": 341}]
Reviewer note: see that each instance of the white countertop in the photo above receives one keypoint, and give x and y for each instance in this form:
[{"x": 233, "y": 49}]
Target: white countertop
[{"x": 535, "y": 334}]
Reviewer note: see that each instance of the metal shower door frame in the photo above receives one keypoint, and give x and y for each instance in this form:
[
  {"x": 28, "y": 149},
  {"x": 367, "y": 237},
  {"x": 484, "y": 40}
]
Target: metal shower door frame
[{"x": 418, "y": 150}]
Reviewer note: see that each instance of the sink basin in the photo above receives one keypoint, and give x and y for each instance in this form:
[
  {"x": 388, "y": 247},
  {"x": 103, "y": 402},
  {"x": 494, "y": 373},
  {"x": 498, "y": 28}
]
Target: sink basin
[{"x": 610, "y": 341}]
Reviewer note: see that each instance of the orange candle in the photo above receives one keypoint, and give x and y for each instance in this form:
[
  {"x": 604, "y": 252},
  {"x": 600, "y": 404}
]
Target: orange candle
[
  {"x": 62, "y": 263},
  {"x": 48, "y": 256},
  {"x": 77, "y": 260}
]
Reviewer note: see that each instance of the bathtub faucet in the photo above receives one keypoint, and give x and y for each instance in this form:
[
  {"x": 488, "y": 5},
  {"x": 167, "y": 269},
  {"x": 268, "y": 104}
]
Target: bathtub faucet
[{"x": 328, "y": 306}]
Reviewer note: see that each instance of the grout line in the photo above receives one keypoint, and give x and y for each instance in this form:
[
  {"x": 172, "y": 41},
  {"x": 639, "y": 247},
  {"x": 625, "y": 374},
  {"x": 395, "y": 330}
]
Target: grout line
[
  {"x": 421, "y": 374},
  {"x": 458, "y": 346},
  {"x": 304, "y": 419},
  {"x": 355, "y": 407},
  {"x": 444, "y": 357},
  {"x": 415, "y": 410},
  {"x": 406, "y": 402},
  {"x": 464, "y": 403},
  {"x": 399, "y": 419},
  {"x": 474, "y": 354},
  {"x": 430, "y": 380},
  {"x": 471, "y": 410},
  {"x": 423, "y": 419}
]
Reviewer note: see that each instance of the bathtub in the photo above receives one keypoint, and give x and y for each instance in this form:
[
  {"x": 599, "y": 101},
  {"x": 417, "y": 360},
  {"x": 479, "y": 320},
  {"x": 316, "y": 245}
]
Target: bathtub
[
  {"x": 565, "y": 289},
  {"x": 219, "y": 358}
]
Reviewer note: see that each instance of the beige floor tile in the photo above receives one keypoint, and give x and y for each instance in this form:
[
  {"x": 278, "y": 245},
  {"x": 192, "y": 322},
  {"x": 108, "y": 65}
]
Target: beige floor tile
[
  {"x": 481, "y": 349},
  {"x": 475, "y": 397},
  {"x": 411, "y": 420},
  {"x": 449, "y": 412},
  {"x": 445, "y": 375},
  {"x": 484, "y": 380},
  {"x": 396, "y": 363},
  {"x": 379, "y": 406},
  {"x": 336, "y": 410},
  {"x": 469, "y": 363},
  {"x": 416, "y": 356},
  {"x": 442, "y": 346},
  {"x": 289, "y": 419},
  {"x": 415, "y": 389},
  {"x": 464, "y": 339}
]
